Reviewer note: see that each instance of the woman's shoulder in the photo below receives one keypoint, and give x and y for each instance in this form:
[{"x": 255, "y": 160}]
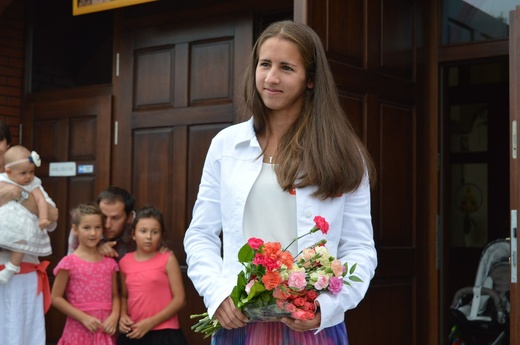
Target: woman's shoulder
[{"x": 236, "y": 131}]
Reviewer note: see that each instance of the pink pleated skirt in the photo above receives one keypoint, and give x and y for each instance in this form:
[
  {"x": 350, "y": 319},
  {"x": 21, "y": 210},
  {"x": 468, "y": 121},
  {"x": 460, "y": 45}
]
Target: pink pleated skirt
[{"x": 277, "y": 333}]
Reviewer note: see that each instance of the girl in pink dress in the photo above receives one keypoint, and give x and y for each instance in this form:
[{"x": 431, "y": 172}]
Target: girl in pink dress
[
  {"x": 89, "y": 280},
  {"x": 152, "y": 292}
]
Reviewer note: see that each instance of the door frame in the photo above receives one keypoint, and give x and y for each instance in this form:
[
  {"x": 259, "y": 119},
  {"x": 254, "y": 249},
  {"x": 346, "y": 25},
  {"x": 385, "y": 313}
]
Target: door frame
[{"x": 514, "y": 167}]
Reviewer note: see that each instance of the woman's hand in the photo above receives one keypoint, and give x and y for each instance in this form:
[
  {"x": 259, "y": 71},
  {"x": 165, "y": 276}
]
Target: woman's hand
[
  {"x": 9, "y": 192},
  {"x": 230, "y": 316}
]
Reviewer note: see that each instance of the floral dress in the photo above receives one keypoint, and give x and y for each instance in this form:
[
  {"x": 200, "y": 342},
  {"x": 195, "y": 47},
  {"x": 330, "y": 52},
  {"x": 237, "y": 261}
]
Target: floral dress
[{"x": 89, "y": 289}]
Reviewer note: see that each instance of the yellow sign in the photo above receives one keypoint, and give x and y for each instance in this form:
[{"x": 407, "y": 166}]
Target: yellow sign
[{"x": 89, "y": 6}]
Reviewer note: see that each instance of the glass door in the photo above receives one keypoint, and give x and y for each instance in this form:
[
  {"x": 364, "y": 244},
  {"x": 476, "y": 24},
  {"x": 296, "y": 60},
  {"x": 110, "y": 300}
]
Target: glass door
[{"x": 475, "y": 174}]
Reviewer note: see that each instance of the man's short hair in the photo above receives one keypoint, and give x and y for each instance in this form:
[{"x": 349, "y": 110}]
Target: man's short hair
[{"x": 114, "y": 194}]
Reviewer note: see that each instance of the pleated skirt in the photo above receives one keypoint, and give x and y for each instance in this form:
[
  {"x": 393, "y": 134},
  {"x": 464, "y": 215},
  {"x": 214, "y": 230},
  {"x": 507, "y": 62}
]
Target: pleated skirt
[{"x": 277, "y": 333}]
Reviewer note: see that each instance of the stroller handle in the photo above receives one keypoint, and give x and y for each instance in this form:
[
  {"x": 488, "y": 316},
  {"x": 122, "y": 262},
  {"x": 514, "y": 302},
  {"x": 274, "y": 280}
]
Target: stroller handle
[{"x": 465, "y": 291}]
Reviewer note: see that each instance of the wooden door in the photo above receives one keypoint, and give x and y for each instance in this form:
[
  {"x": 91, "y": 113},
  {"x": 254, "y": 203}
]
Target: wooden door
[
  {"x": 175, "y": 92},
  {"x": 514, "y": 168},
  {"x": 372, "y": 49},
  {"x": 69, "y": 126}
]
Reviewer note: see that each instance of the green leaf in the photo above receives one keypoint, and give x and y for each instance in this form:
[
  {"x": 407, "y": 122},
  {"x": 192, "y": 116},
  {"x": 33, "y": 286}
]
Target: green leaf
[
  {"x": 355, "y": 279},
  {"x": 353, "y": 268},
  {"x": 245, "y": 254},
  {"x": 239, "y": 289}
]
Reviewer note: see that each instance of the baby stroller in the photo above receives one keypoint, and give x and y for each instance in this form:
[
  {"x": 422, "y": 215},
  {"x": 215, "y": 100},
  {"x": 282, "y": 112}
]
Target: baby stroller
[{"x": 479, "y": 314}]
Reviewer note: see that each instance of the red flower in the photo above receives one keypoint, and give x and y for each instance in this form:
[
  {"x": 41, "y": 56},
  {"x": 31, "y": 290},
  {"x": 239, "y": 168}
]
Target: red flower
[
  {"x": 271, "y": 264},
  {"x": 308, "y": 306},
  {"x": 258, "y": 259},
  {"x": 312, "y": 295},
  {"x": 255, "y": 243},
  {"x": 281, "y": 293},
  {"x": 299, "y": 302},
  {"x": 321, "y": 224}
]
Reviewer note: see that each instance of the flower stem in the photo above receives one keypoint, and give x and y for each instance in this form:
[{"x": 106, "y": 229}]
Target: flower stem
[{"x": 314, "y": 228}]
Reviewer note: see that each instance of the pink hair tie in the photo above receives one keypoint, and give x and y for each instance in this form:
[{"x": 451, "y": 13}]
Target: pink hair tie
[{"x": 34, "y": 158}]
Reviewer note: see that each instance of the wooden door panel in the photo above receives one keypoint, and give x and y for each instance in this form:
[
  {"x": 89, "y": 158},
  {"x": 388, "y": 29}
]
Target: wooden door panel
[
  {"x": 373, "y": 59},
  {"x": 176, "y": 92},
  {"x": 396, "y": 185},
  {"x": 68, "y": 130}
]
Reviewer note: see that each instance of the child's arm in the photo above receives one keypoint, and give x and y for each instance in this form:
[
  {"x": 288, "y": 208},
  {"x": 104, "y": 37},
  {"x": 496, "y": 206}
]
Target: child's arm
[
  {"x": 60, "y": 303},
  {"x": 43, "y": 209},
  {"x": 176, "y": 304},
  {"x": 125, "y": 322},
  {"x": 110, "y": 323}
]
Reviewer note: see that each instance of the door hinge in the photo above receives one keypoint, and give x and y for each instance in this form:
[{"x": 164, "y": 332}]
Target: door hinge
[
  {"x": 438, "y": 244},
  {"x": 513, "y": 139},
  {"x": 116, "y": 131},
  {"x": 117, "y": 64},
  {"x": 514, "y": 250}
]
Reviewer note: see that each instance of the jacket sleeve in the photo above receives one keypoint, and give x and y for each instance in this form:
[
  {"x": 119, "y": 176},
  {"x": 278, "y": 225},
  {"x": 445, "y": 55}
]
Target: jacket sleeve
[
  {"x": 356, "y": 245},
  {"x": 202, "y": 241}
]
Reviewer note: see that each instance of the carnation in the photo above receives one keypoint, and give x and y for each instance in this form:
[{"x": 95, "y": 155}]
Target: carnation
[
  {"x": 273, "y": 285},
  {"x": 297, "y": 280}
]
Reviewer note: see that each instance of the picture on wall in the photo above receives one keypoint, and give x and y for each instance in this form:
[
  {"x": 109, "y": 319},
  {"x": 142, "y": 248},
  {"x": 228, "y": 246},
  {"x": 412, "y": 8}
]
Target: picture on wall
[{"x": 89, "y": 6}]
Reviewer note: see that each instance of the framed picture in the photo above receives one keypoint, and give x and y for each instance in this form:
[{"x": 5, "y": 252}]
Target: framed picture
[{"x": 89, "y": 6}]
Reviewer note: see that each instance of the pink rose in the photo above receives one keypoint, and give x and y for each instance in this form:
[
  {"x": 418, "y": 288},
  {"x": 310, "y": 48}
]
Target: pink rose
[
  {"x": 249, "y": 286},
  {"x": 302, "y": 315},
  {"x": 290, "y": 307},
  {"x": 321, "y": 283},
  {"x": 335, "y": 285},
  {"x": 321, "y": 224},
  {"x": 297, "y": 280},
  {"x": 337, "y": 268},
  {"x": 255, "y": 243}
]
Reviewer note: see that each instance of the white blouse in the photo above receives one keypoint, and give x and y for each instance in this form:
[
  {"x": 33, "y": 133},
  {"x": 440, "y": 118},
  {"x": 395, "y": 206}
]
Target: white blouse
[{"x": 270, "y": 212}]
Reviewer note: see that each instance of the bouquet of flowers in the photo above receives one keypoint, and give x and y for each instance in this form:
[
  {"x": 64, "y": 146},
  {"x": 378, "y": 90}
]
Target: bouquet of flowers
[{"x": 274, "y": 284}]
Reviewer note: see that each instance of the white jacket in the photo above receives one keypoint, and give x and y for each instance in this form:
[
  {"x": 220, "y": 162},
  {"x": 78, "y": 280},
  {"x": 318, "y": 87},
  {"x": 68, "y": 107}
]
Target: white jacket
[{"x": 232, "y": 165}]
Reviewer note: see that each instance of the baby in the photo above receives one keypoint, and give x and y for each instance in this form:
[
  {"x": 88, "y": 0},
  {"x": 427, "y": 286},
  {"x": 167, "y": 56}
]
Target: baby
[{"x": 22, "y": 232}]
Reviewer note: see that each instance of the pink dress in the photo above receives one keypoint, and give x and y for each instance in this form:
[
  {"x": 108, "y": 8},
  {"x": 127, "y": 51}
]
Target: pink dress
[
  {"x": 90, "y": 290},
  {"x": 148, "y": 288}
]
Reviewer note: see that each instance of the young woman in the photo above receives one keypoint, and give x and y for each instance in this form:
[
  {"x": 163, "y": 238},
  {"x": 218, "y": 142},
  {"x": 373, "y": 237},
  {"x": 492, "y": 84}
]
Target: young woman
[
  {"x": 296, "y": 157},
  {"x": 152, "y": 290},
  {"x": 85, "y": 288}
]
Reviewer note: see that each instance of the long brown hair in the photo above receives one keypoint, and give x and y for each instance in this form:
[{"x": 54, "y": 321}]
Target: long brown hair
[{"x": 321, "y": 148}]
